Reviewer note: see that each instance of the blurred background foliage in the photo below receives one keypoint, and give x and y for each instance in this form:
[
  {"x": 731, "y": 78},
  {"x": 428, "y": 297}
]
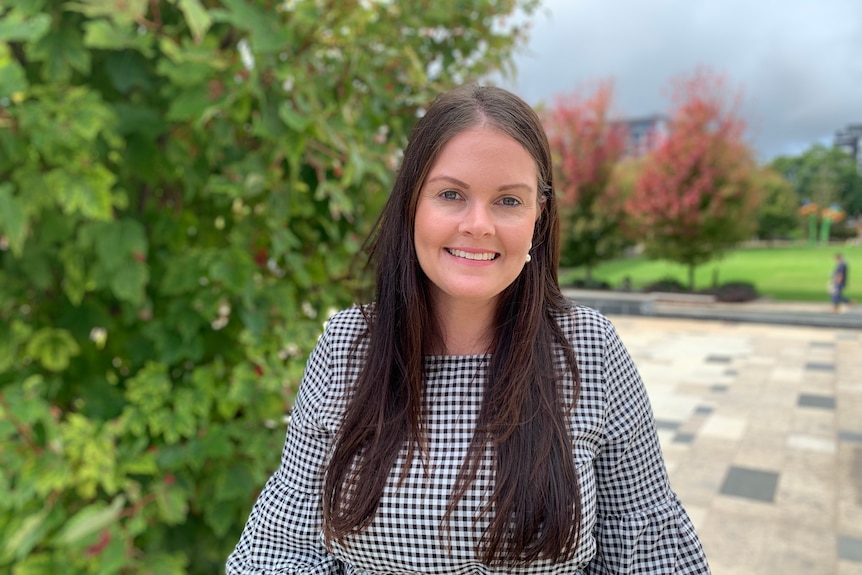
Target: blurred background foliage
[
  {"x": 688, "y": 190},
  {"x": 183, "y": 187}
]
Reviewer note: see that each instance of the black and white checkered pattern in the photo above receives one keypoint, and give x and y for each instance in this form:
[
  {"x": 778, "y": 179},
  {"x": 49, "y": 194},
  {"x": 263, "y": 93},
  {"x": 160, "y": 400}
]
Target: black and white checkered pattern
[{"x": 633, "y": 522}]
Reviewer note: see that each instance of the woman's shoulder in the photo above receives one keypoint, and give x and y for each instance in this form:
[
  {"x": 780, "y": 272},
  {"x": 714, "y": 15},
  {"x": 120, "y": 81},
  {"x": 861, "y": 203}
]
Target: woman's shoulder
[
  {"x": 343, "y": 333},
  {"x": 580, "y": 323},
  {"x": 348, "y": 324},
  {"x": 329, "y": 367}
]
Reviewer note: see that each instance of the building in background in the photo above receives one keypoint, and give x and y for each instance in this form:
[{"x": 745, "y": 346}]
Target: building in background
[
  {"x": 850, "y": 140},
  {"x": 645, "y": 134}
]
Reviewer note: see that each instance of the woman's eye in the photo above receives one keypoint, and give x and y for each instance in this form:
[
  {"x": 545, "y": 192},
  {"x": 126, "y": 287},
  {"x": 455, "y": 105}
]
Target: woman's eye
[
  {"x": 449, "y": 195},
  {"x": 510, "y": 201}
]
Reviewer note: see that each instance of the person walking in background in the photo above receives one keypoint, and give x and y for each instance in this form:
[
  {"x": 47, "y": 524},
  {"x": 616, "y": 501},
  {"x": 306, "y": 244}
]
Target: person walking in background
[
  {"x": 468, "y": 418},
  {"x": 839, "y": 283}
]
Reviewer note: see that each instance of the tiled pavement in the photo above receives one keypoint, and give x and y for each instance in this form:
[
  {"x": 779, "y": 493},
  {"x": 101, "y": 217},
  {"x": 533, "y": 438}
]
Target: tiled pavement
[{"x": 761, "y": 427}]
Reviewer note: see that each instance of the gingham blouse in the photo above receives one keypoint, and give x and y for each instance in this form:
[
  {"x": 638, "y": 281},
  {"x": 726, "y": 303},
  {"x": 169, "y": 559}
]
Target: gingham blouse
[{"x": 632, "y": 520}]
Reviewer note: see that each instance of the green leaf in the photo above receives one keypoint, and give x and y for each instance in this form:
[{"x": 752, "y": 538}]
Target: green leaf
[
  {"x": 24, "y": 402},
  {"x": 126, "y": 12},
  {"x": 150, "y": 388},
  {"x": 103, "y": 35},
  {"x": 163, "y": 563},
  {"x": 16, "y": 27},
  {"x": 142, "y": 464},
  {"x": 129, "y": 70},
  {"x": 90, "y": 520},
  {"x": 13, "y": 220},
  {"x": 197, "y": 18},
  {"x": 220, "y": 518},
  {"x": 234, "y": 483},
  {"x": 234, "y": 269},
  {"x": 25, "y": 537},
  {"x": 215, "y": 444},
  {"x": 137, "y": 119},
  {"x": 12, "y": 78},
  {"x": 40, "y": 267},
  {"x": 297, "y": 121},
  {"x": 255, "y": 321},
  {"x": 119, "y": 241},
  {"x": 129, "y": 281},
  {"x": 87, "y": 193},
  {"x": 53, "y": 348},
  {"x": 181, "y": 275},
  {"x": 189, "y": 105},
  {"x": 114, "y": 558},
  {"x": 267, "y": 33},
  {"x": 12, "y": 335},
  {"x": 172, "y": 502},
  {"x": 121, "y": 249},
  {"x": 74, "y": 273},
  {"x": 189, "y": 66},
  {"x": 37, "y": 564},
  {"x": 62, "y": 52}
]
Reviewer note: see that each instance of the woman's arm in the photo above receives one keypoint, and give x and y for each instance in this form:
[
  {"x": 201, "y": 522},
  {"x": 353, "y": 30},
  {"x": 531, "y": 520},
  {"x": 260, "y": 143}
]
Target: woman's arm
[
  {"x": 641, "y": 525},
  {"x": 283, "y": 532}
]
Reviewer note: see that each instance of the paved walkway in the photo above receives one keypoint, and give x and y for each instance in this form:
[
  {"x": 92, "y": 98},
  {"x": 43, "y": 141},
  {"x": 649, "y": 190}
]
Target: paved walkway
[{"x": 761, "y": 426}]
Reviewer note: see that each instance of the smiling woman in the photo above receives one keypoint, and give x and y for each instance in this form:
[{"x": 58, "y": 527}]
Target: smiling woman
[
  {"x": 470, "y": 419},
  {"x": 474, "y": 226}
]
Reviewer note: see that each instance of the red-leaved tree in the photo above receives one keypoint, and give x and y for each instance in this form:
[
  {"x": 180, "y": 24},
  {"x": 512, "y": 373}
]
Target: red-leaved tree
[
  {"x": 587, "y": 145},
  {"x": 696, "y": 196}
]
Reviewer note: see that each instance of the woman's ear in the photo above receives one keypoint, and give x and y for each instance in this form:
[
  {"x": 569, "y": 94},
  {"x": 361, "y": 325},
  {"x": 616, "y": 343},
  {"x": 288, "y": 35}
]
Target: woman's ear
[{"x": 541, "y": 200}]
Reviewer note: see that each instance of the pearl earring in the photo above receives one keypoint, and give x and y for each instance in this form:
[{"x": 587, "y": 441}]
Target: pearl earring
[{"x": 529, "y": 258}]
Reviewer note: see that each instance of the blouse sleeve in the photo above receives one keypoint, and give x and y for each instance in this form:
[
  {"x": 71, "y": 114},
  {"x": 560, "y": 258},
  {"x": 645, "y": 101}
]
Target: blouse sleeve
[
  {"x": 283, "y": 532},
  {"x": 641, "y": 526}
]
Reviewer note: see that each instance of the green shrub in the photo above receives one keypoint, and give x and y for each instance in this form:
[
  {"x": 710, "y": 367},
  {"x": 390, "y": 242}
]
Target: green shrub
[{"x": 183, "y": 185}]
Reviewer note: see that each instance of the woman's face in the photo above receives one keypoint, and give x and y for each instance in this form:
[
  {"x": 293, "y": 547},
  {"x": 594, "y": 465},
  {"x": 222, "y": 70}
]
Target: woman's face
[{"x": 475, "y": 216}]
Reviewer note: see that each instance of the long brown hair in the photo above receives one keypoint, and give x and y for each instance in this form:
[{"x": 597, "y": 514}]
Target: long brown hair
[{"x": 535, "y": 508}]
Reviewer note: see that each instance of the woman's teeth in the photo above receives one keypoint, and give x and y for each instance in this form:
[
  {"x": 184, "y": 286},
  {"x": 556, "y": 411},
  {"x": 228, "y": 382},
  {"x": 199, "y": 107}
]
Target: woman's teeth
[{"x": 485, "y": 256}]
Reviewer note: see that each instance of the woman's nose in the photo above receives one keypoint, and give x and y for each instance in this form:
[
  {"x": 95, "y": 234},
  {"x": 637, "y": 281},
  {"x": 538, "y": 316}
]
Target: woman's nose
[{"x": 477, "y": 221}]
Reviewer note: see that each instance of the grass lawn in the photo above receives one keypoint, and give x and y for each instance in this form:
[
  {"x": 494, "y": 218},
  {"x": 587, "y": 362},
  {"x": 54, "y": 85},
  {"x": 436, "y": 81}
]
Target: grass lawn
[{"x": 794, "y": 273}]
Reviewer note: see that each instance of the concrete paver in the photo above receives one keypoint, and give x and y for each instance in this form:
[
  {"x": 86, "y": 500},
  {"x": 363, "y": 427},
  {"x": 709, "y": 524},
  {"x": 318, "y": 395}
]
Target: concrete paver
[{"x": 761, "y": 428}]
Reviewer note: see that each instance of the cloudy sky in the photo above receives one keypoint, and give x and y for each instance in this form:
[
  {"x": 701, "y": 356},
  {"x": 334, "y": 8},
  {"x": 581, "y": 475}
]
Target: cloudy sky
[{"x": 798, "y": 63}]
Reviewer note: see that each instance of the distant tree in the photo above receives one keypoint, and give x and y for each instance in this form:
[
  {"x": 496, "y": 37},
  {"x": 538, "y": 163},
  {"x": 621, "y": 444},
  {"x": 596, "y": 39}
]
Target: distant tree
[
  {"x": 696, "y": 197},
  {"x": 825, "y": 177},
  {"x": 626, "y": 176},
  {"x": 183, "y": 185},
  {"x": 778, "y": 214},
  {"x": 587, "y": 145}
]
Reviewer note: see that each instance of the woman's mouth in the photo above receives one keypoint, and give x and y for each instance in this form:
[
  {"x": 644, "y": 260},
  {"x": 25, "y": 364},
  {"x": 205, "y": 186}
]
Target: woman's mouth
[{"x": 481, "y": 256}]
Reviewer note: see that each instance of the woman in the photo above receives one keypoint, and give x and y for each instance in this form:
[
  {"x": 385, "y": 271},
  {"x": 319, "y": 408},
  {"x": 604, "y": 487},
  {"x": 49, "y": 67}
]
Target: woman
[{"x": 470, "y": 420}]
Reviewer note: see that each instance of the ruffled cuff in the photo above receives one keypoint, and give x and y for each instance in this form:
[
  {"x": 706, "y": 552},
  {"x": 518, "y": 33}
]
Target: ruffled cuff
[{"x": 658, "y": 541}]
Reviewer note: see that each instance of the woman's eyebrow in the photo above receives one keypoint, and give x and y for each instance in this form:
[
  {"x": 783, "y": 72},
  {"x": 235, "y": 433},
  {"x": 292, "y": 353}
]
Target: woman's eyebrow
[
  {"x": 466, "y": 186},
  {"x": 508, "y": 187},
  {"x": 450, "y": 179}
]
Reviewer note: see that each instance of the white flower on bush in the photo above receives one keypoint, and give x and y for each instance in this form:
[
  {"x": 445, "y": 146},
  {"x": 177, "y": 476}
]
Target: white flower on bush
[
  {"x": 245, "y": 54},
  {"x": 309, "y": 310},
  {"x": 99, "y": 336},
  {"x": 224, "y": 309},
  {"x": 223, "y": 318},
  {"x": 288, "y": 351}
]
